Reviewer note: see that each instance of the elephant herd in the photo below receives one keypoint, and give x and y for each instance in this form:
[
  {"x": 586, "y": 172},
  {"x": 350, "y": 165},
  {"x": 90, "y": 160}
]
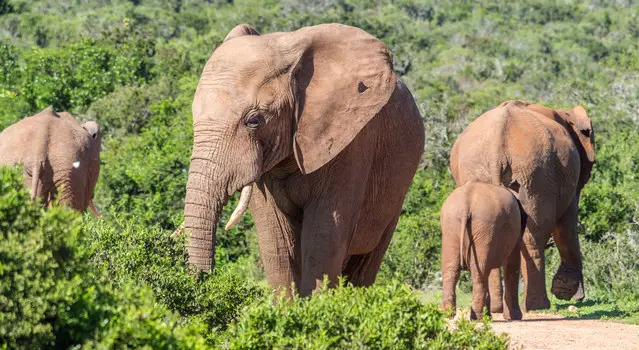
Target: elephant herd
[{"x": 322, "y": 139}]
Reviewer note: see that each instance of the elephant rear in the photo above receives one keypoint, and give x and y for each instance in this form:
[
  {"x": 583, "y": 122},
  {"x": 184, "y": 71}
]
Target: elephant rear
[
  {"x": 481, "y": 231},
  {"x": 58, "y": 155}
]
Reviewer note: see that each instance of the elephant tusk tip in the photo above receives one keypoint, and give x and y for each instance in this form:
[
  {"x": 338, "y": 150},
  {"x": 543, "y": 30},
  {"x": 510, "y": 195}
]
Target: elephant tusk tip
[{"x": 231, "y": 224}]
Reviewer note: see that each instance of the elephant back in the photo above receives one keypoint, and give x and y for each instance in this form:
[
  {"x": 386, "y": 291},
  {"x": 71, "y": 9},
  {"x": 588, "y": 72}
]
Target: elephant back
[{"x": 522, "y": 149}]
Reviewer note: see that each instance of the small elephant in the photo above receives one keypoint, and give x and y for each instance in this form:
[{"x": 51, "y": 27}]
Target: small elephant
[
  {"x": 482, "y": 227},
  {"x": 321, "y": 137},
  {"x": 58, "y": 154}
]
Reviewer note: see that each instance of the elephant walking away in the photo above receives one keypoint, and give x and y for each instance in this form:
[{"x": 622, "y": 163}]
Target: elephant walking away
[
  {"x": 482, "y": 226},
  {"x": 548, "y": 155},
  {"x": 59, "y": 156},
  {"x": 321, "y": 138}
]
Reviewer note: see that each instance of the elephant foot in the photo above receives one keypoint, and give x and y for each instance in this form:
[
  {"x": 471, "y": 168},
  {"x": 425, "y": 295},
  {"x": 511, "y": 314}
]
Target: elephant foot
[
  {"x": 541, "y": 303},
  {"x": 448, "y": 308},
  {"x": 568, "y": 283},
  {"x": 477, "y": 315},
  {"x": 513, "y": 315},
  {"x": 496, "y": 309}
]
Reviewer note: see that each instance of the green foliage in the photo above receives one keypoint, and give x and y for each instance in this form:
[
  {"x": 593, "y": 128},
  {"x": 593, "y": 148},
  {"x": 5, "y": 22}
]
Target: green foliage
[
  {"x": 414, "y": 253},
  {"x": 379, "y": 317},
  {"x": 609, "y": 201},
  {"x": 128, "y": 250},
  {"x": 52, "y": 297}
]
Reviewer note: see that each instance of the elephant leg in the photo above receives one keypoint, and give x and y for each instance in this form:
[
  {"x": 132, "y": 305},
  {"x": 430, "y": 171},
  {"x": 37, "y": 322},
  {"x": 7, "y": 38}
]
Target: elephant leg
[
  {"x": 451, "y": 269},
  {"x": 495, "y": 291},
  {"x": 480, "y": 292},
  {"x": 35, "y": 177},
  {"x": 568, "y": 281},
  {"x": 362, "y": 269},
  {"x": 534, "y": 271},
  {"x": 511, "y": 285},
  {"x": 278, "y": 239},
  {"x": 324, "y": 245}
]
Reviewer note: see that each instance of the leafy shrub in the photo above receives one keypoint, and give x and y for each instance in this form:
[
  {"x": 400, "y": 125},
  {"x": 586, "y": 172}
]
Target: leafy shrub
[
  {"x": 52, "y": 297},
  {"x": 415, "y": 250},
  {"x": 153, "y": 257},
  {"x": 378, "y": 317},
  {"x": 609, "y": 201},
  {"x": 79, "y": 75}
]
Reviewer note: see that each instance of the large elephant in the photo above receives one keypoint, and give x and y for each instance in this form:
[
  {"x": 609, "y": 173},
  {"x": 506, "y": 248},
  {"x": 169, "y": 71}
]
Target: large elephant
[
  {"x": 546, "y": 155},
  {"x": 322, "y": 139},
  {"x": 60, "y": 157}
]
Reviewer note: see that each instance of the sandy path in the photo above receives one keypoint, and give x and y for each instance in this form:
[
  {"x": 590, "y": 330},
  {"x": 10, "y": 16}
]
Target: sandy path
[{"x": 547, "y": 331}]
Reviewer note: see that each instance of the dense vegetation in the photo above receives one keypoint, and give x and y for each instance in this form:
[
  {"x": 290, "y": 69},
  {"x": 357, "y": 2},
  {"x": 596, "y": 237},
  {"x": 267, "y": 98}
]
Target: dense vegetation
[{"x": 133, "y": 66}]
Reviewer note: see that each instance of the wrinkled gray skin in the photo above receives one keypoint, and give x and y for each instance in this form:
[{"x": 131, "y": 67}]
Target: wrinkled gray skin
[
  {"x": 60, "y": 157},
  {"x": 549, "y": 153},
  {"x": 482, "y": 227},
  {"x": 315, "y": 124}
]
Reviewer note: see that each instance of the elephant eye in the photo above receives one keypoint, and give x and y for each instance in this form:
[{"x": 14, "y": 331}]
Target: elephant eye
[
  {"x": 253, "y": 121},
  {"x": 586, "y": 132}
]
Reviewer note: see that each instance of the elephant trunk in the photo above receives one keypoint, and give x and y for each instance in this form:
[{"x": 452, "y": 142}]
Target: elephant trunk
[{"x": 205, "y": 198}]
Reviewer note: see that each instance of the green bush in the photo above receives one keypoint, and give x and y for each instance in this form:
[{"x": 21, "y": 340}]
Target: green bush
[
  {"x": 52, "y": 297},
  {"x": 378, "y": 317},
  {"x": 415, "y": 250},
  {"x": 153, "y": 257}
]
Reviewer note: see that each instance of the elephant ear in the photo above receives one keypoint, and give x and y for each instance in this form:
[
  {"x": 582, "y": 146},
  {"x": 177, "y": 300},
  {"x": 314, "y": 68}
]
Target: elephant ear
[
  {"x": 342, "y": 77},
  {"x": 241, "y": 30},
  {"x": 580, "y": 122},
  {"x": 517, "y": 103},
  {"x": 92, "y": 128}
]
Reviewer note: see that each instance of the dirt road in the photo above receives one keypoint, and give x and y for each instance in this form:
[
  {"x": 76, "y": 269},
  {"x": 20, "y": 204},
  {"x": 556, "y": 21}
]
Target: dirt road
[{"x": 547, "y": 331}]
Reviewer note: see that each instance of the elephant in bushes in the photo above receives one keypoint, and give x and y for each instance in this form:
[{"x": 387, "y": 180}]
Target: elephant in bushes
[
  {"x": 546, "y": 155},
  {"x": 322, "y": 139},
  {"x": 58, "y": 155},
  {"x": 482, "y": 226}
]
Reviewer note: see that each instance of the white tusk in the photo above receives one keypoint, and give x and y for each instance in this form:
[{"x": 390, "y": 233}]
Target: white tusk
[
  {"x": 242, "y": 205},
  {"x": 76, "y": 164}
]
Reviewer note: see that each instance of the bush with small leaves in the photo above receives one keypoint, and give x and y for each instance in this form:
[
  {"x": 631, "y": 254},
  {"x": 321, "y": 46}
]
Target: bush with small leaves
[
  {"x": 378, "y": 317},
  {"x": 53, "y": 297}
]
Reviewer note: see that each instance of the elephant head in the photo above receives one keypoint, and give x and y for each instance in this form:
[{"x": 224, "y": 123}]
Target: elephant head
[
  {"x": 584, "y": 138},
  {"x": 301, "y": 95},
  {"x": 92, "y": 155}
]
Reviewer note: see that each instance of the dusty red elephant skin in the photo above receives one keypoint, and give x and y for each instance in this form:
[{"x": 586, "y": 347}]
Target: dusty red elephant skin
[
  {"x": 549, "y": 153},
  {"x": 321, "y": 138},
  {"x": 482, "y": 225},
  {"x": 60, "y": 157}
]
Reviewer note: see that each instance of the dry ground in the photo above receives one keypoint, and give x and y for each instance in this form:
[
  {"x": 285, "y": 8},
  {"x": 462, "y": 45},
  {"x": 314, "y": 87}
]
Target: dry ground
[{"x": 548, "y": 331}]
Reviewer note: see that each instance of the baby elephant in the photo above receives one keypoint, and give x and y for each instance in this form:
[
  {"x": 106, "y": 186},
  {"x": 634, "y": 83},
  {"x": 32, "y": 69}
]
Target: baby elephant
[
  {"x": 482, "y": 227},
  {"x": 59, "y": 156}
]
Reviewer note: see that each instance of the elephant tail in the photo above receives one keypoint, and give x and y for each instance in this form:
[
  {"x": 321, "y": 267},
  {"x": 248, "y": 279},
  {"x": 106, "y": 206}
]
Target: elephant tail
[{"x": 464, "y": 256}]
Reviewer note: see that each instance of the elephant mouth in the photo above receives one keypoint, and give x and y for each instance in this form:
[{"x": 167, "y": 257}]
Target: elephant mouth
[{"x": 568, "y": 283}]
